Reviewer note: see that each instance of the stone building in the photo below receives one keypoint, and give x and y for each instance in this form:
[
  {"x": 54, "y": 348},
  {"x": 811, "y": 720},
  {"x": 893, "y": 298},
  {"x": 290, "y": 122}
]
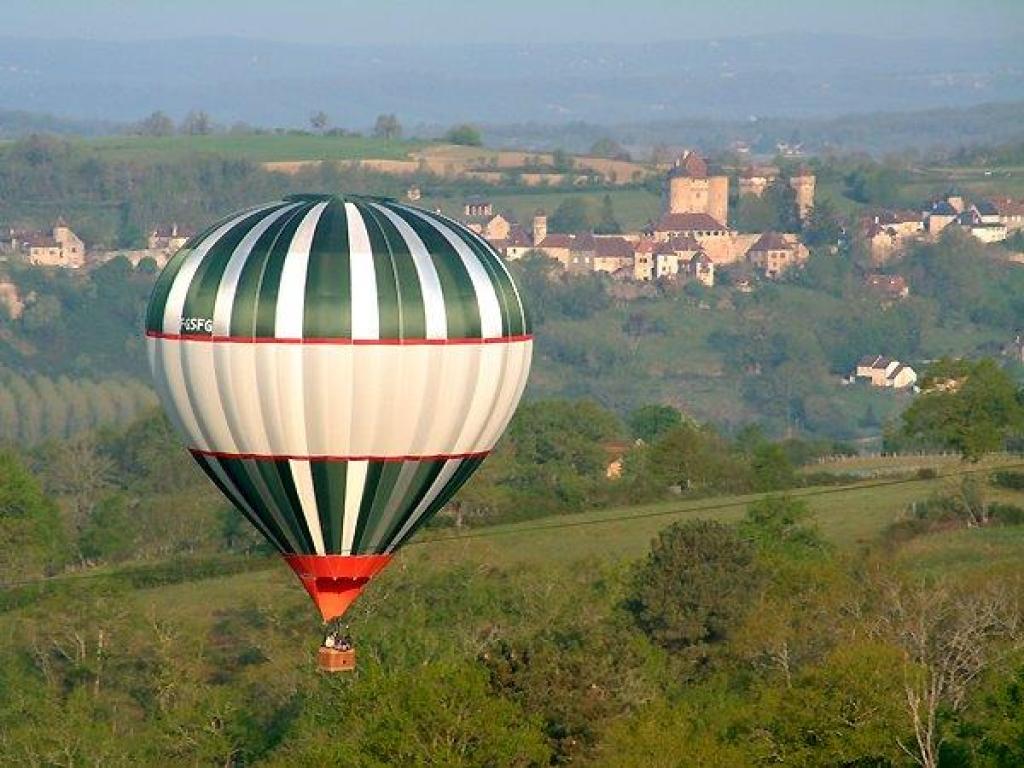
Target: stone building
[
  {"x": 774, "y": 253},
  {"x": 60, "y": 248},
  {"x": 477, "y": 207},
  {"x": 755, "y": 180},
  {"x": 692, "y": 190},
  {"x": 170, "y": 239},
  {"x": 802, "y": 181},
  {"x": 702, "y": 269}
]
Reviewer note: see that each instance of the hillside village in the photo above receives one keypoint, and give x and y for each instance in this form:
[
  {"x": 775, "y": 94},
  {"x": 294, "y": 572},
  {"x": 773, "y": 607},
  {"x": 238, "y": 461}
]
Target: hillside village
[
  {"x": 693, "y": 240},
  {"x": 688, "y": 241},
  {"x": 693, "y": 237}
]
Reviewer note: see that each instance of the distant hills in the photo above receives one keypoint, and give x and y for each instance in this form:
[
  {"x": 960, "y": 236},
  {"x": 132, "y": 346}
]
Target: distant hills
[
  {"x": 281, "y": 84},
  {"x": 826, "y": 92}
]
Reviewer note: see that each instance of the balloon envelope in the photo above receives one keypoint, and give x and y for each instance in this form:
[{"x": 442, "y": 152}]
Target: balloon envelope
[{"x": 339, "y": 367}]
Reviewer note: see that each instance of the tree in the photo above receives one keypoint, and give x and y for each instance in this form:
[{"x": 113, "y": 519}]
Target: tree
[
  {"x": 772, "y": 468},
  {"x": 606, "y": 222},
  {"x": 573, "y": 214},
  {"x": 950, "y": 638},
  {"x": 609, "y": 148},
  {"x": 196, "y": 123},
  {"x": 82, "y": 475},
  {"x": 437, "y": 714},
  {"x": 970, "y": 407},
  {"x": 754, "y": 214},
  {"x": 843, "y": 712},
  {"x": 387, "y": 127},
  {"x": 43, "y": 316},
  {"x": 690, "y": 457},
  {"x": 649, "y": 422},
  {"x": 318, "y": 121},
  {"x": 562, "y": 160},
  {"x": 781, "y": 198},
  {"x": 110, "y": 530},
  {"x": 694, "y": 586},
  {"x": 465, "y": 135},
  {"x": 156, "y": 124},
  {"x": 823, "y": 226},
  {"x": 32, "y": 542},
  {"x": 778, "y": 525}
]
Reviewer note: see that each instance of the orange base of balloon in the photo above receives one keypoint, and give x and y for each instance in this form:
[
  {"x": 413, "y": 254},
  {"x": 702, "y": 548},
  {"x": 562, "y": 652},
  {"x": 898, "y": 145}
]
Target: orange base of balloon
[{"x": 335, "y": 581}]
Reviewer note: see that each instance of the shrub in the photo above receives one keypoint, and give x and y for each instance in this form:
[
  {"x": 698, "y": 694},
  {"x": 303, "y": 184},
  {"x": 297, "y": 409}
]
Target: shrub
[
  {"x": 1009, "y": 479},
  {"x": 693, "y": 587},
  {"x": 1006, "y": 514}
]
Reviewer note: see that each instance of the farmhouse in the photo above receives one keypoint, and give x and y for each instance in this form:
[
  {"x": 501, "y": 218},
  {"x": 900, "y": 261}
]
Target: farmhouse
[
  {"x": 61, "y": 247},
  {"x": 882, "y": 371}
]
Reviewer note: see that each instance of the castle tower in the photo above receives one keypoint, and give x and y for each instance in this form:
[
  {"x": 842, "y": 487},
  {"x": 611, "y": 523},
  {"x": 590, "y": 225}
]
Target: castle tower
[
  {"x": 540, "y": 226},
  {"x": 691, "y": 190},
  {"x": 718, "y": 198},
  {"x": 802, "y": 182}
]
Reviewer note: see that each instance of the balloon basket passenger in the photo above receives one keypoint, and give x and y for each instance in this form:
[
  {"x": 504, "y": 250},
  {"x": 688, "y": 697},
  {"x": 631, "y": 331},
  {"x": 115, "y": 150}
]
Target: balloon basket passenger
[{"x": 337, "y": 654}]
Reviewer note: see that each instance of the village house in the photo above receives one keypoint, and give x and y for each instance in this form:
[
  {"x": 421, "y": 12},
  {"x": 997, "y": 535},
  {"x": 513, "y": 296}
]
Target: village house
[
  {"x": 882, "y": 371},
  {"x": 615, "y": 453},
  {"x": 61, "y": 247},
  {"x": 882, "y": 242},
  {"x": 493, "y": 227},
  {"x": 515, "y": 245},
  {"x": 702, "y": 269},
  {"x": 656, "y": 259},
  {"x": 754, "y": 180},
  {"x": 939, "y": 215},
  {"x": 774, "y": 253},
  {"x": 1010, "y": 212},
  {"x": 169, "y": 239},
  {"x": 973, "y": 222},
  {"x": 612, "y": 253}
]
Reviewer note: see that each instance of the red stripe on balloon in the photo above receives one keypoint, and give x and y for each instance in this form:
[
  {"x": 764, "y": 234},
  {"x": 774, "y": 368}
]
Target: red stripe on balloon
[
  {"x": 337, "y": 341},
  {"x": 295, "y": 457}
]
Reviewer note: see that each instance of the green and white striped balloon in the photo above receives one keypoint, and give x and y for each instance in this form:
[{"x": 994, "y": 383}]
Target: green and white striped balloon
[{"x": 339, "y": 366}]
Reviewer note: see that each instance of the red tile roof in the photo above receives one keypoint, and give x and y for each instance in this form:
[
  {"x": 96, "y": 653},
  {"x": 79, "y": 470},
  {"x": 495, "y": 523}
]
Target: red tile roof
[
  {"x": 613, "y": 247},
  {"x": 690, "y": 164},
  {"x": 683, "y": 243},
  {"x": 556, "y": 241},
  {"x": 688, "y": 222},
  {"x": 771, "y": 241}
]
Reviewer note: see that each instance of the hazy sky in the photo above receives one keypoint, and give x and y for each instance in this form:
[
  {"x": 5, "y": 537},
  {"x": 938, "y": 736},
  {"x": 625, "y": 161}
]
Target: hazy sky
[{"x": 374, "y": 21}]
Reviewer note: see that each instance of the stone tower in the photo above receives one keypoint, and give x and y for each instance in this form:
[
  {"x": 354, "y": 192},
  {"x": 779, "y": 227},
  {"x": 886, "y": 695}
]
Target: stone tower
[
  {"x": 718, "y": 198},
  {"x": 540, "y": 226},
  {"x": 802, "y": 182},
  {"x": 691, "y": 190}
]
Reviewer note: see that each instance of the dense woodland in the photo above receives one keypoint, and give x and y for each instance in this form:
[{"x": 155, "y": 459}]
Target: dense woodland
[{"x": 142, "y": 615}]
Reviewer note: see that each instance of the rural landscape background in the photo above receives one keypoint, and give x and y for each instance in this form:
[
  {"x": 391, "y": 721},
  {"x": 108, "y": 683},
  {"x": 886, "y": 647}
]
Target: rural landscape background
[{"x": 763, "y": 502}]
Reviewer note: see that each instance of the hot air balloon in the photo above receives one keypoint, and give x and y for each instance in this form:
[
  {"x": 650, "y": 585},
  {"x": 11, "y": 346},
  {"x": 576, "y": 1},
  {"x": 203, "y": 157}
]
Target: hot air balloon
[{"x": 338, "y": 366}]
